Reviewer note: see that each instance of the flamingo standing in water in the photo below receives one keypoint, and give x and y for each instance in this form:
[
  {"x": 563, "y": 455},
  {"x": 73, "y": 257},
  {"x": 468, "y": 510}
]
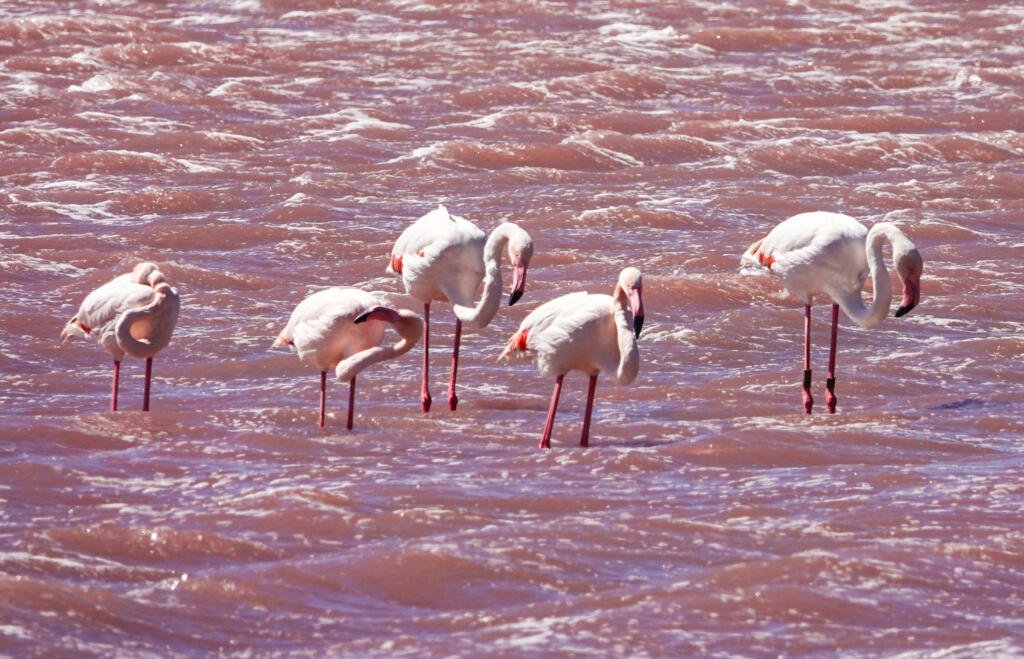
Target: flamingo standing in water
[
  {"x": 833, "y": 254},
  {"x": 342, "y": 329},
  {"x": 444, "y": 257},
  {"x": 584, "y": 332},
  {"x": 134, "y": 314}
]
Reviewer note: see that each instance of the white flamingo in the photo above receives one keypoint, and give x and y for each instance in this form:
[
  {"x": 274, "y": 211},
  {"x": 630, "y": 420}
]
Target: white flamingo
[
  {"x": 133, "y": 314},
  {"x": 584, "y": 332},
  {"x": 341, "y": 329},
  {"x": 832, "y": 254},
  {"x": 444, "y": 257}
]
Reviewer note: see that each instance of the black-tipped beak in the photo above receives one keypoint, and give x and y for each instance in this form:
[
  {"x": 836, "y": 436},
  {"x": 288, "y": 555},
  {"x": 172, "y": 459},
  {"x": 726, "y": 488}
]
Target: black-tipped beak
[
  {"x": 514, "y": 296},
  {"x": 905, "y": 309},
  {"x": 361, "y": 318},
  {"x": 638, "y": 323}
]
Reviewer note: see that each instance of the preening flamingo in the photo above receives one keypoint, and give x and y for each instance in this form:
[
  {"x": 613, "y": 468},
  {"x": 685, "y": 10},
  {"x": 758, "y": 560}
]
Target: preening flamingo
[
  {"x": 134, "y": 314},
  {"x": 444, "y": 257},
  {"x": 584, "y": 332},
  {"x": 833, "y": 254},
  {"x": 342, "y": 329}
]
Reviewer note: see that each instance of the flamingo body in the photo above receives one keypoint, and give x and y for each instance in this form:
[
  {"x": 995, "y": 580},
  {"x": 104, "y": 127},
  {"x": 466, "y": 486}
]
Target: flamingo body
[
  {"x": 832, "y": 254},
  {"x": 592, "y": 333},
  {"x": 442, "y": 257},
  {"x": 341, "y": 329},
  {"x": 134, "y": 314}
]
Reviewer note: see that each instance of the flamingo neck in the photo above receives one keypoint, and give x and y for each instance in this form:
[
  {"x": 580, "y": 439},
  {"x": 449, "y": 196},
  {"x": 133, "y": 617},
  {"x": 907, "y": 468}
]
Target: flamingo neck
[
  {"x": 409, "y": 328},
  {"x": 629, "y": 352},
  {"x": 852, "y": 303},
  {"x": 483, "y": 312},
  {"x": 160, "y": 314}
]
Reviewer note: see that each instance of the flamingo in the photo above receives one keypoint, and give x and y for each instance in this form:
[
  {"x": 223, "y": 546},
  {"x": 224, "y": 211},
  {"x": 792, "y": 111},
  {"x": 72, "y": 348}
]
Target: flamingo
[
  {"x": 831, "y": 254},
  {"x": 342, "y": 329},
  {"x": 134, "y": 313},
  {"x": 443, "y": 257},
  {"x": 584, "y": 332}
]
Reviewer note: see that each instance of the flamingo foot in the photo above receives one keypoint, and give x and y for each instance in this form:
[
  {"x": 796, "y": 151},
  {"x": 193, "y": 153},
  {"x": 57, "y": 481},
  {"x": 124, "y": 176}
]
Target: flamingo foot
[
  {"x": 425, "y": 401},
  {"x": 830, "y": 395},
  {"x": 808, "y": 399},
  {"x": 453, "y": 401}
]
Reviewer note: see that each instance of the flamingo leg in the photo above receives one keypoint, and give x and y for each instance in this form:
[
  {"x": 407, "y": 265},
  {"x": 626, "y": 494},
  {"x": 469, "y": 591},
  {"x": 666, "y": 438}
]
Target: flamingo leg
[
  {"x": 585, "y": 437},
  {"x": 425, "y": 391},
  {"x": 113, "y": 389},
  {"x": 453, "y": 400},
  {"x": 351, "y": 400},
  {"x": 145, "y": 389},
  {"x": 545, "y": 440},
  {"x": 808, "y": 400},
  {"x": 323, "y": 398},
  {"x": 830, "y": 383}
]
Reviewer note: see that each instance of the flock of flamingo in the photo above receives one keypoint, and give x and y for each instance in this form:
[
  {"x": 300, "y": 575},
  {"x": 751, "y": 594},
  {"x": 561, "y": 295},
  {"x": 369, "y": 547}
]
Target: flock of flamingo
[{"x": 441, "y": 257}]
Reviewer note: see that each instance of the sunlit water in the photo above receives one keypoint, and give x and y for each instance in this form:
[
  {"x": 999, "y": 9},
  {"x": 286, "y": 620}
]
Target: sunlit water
[{"x": 263, "y": 150}]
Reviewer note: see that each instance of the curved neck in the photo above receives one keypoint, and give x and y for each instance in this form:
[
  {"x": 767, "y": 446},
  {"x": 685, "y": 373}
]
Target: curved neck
[
  {"x": 851, "y": 302},
  {"x": 157, "y": 334},
  {"x": 629, "y": 352},
  {"x": 483, "y": 312},
  {"x": 409, "y": 328}
]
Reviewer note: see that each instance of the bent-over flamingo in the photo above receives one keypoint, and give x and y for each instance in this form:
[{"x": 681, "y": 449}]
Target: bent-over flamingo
[
  {"x": 342, "y": 329},
  {"x": 833, "y": 254},
  {"x": 584, "y": 332},
  {"x": 444, "y": 257},
  {"x": 134, "y": 313}
]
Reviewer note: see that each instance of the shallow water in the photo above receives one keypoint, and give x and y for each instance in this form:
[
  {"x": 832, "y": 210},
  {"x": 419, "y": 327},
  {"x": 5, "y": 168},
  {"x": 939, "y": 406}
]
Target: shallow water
[{"x": 262, "y": 150}]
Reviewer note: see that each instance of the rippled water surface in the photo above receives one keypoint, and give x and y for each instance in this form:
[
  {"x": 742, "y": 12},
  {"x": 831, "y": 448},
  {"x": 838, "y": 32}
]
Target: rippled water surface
[{"x": 261, "y": 150}]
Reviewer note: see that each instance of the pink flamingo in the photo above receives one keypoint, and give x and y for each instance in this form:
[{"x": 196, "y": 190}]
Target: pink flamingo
[
  {"x": 444, "y": 257},
  {"x": 342, "y": 329},
  {"x": 134, "y": 314},
  {"x": 832, "y": 254},
  {"x": 584, "y": 332}
]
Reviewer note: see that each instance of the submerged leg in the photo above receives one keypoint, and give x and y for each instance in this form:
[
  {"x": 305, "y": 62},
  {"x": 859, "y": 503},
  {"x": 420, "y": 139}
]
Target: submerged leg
[
  {"x": 585, "y": 437},
  {"x": 323, "y": 398},
  {"x": 351, "y": 400},
  {"x": 113, "y": 389},
  {"x": 545, "y": 440},
  {"x": 145, "y": 388},
  {"x": 424, "y": 390},
  {"x": 830, "y": 383},
  {"x": 453, "y": 400},
  {"x": 808, "y": 400}
]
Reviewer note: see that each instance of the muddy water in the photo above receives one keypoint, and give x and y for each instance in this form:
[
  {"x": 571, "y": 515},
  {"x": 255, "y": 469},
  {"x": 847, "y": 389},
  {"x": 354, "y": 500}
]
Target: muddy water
[{"x": 263, "y": 150}]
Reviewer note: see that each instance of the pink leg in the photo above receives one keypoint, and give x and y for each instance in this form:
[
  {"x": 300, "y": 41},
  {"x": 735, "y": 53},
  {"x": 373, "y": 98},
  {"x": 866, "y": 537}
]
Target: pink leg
[
  {"x": 808, "y": 400},
  {"x": 113, "y": 389},
  {"x": 145, "y": 390},
  {"x": 830, "y": 383},
  {"x": 585, "y": 437},
  {"x": 323, "y": 398},
  {"x": 351, "y": 400},
  {"x": 545, "y": 440},
  {"x": 453, "y": 400},
  {"x": 425, "y": 391}
]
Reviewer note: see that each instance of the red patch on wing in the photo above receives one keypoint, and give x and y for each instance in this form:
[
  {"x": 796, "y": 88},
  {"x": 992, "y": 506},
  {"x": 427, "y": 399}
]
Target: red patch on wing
[
  {"x": 420, "y": 254},
  {"x": 396, "y": 263},
  {"x": 85, "y": 328},
  {"x": 766, "y": 259},
  {"x": 519, "y": 340}
]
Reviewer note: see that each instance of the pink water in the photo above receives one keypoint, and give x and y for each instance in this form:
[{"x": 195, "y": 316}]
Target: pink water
[{"x": 262, "y": 150}]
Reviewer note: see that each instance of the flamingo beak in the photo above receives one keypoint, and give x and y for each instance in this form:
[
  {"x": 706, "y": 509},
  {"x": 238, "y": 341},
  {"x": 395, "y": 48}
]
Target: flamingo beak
[
  {"x": 281, "y": 341},
  {"x": 636, "y": 303},
  {"x": 911, "y": 294},
  {"x": 518, "y": 283},
  {"x": 386, "y": 314}
]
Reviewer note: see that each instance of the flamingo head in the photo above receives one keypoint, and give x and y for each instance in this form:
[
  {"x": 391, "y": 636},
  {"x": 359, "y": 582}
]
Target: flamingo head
[
  {"x": 631, "y": 285},
  {"x": 909, "y": 266},
  {"x": 142, "y": 273},
  {"x": 520, "y": 251}
]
